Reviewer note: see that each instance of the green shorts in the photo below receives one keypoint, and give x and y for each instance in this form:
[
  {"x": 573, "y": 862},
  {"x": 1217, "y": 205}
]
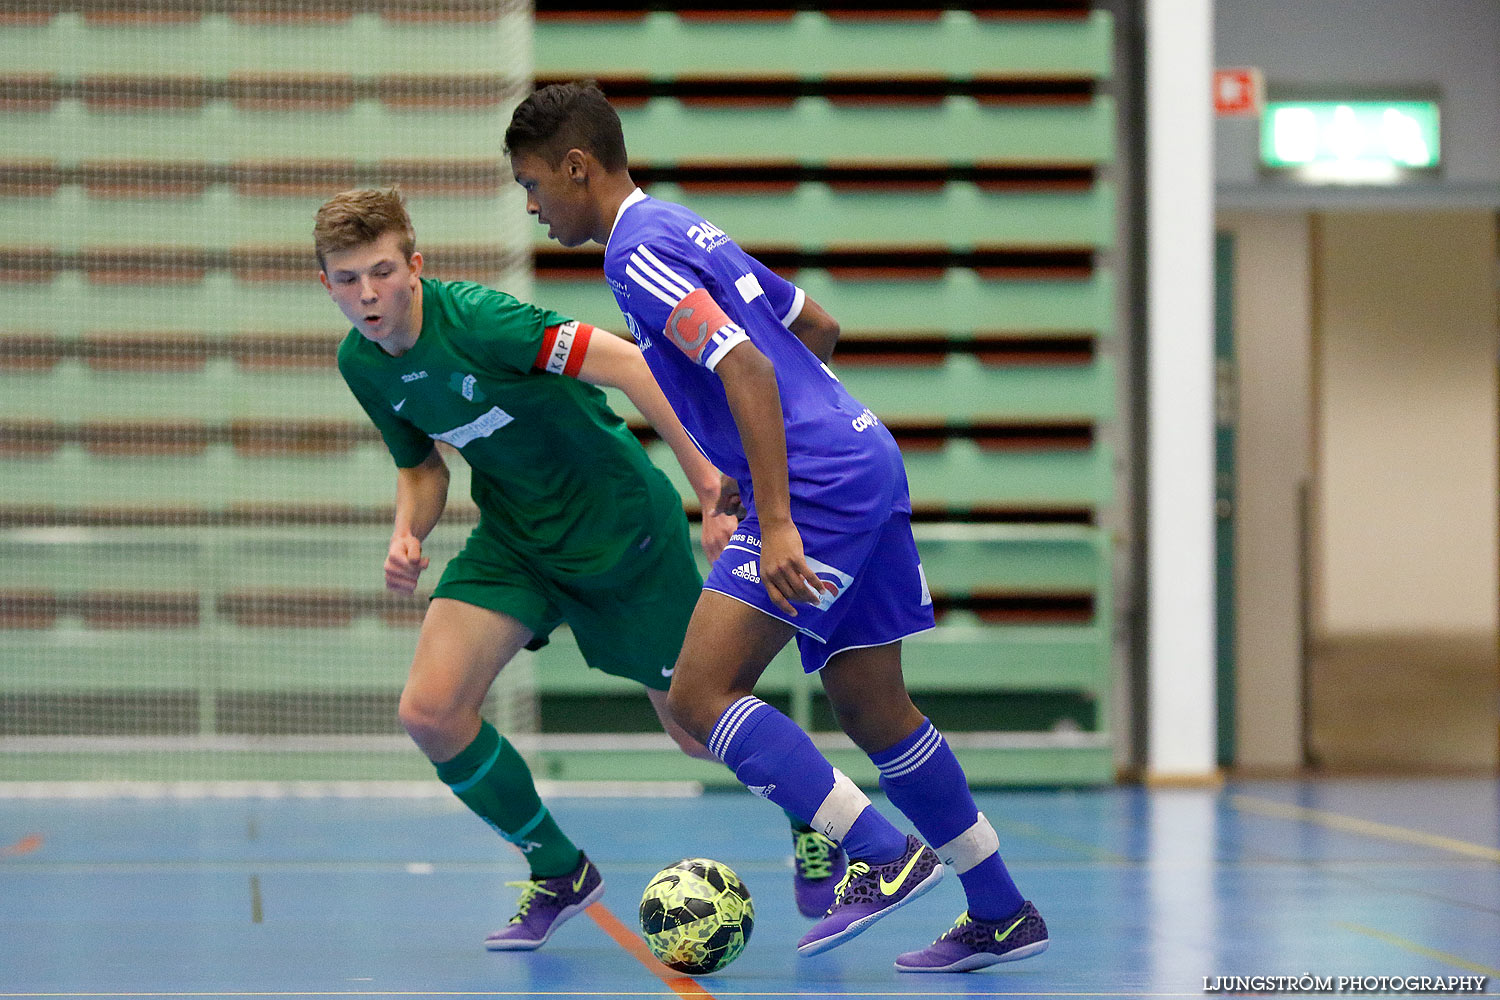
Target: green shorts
[{"x": 629, "y": 621}]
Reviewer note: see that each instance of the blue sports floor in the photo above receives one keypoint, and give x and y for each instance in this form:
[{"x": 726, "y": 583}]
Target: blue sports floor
[{"x": 1147, "y": 893}]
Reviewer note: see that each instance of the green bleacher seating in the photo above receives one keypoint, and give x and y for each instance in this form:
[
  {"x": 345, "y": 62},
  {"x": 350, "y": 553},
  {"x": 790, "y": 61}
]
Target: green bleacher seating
[
  {"x": 198, "y": 505},
  {"x": 807, "y": 217},
  {"x": 811, "y": 43},
  {"x": 959, "y": 301}
]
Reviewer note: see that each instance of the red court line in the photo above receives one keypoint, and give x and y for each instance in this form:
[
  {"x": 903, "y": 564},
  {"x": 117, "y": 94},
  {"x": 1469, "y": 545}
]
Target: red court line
[
  {"x": 25, "y": 845},
  {"x": 682, "y": 985}
]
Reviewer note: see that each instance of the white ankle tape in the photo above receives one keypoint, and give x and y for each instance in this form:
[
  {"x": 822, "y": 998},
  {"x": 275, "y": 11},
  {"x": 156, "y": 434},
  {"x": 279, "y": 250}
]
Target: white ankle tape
[
  {"x": 970, "y": 847},
  {"x": 840, "y": 808}
]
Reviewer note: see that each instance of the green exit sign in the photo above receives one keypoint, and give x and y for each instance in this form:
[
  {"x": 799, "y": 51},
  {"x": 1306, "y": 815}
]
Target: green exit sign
[{"x": 1350, "y": 141}]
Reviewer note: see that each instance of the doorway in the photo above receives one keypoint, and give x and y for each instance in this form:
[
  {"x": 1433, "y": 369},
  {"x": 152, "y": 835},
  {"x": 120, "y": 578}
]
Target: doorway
[{"x": 1366, "y": 518}]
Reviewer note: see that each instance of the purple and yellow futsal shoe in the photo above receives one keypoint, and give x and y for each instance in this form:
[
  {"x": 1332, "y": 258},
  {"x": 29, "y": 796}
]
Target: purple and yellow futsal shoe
[
  {"x": 545, "y": 904},
  {"x": 818, "y": 866},
  {"x": 868, "y": 892},
  {"x": 973, "y": 944}
]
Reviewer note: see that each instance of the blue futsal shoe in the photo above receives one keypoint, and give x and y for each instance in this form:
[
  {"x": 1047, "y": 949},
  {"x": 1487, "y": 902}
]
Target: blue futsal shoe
[
  {"x": 545, "y": 905},
  {"x": 973, "y": 944},
  {"x": 868, "y": 892},
  {"x": 818, "y": 867}
]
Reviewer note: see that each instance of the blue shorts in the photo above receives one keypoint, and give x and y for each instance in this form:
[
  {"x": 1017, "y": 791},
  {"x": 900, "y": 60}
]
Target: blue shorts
[{"x": 881, "y": 591}]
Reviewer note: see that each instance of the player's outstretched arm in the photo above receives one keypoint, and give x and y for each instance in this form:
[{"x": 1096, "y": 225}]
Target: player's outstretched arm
[
  {"x": 816, "y": 329},
  {"x": 750, "y": 387},
  {"x": 421, "y": 495},
  {"x": 616, "y": 362}
]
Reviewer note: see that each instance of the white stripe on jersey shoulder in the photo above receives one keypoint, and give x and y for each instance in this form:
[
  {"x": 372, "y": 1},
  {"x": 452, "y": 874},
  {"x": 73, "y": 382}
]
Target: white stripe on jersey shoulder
[
  {"x": 647, "y": 264},
  {"x": 667, "y": 272},
  {"x": 799, "y": 299},
  {"x": 651, "y": 286}
]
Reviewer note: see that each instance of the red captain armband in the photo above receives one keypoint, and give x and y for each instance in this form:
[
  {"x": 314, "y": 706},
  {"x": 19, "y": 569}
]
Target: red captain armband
[
  {"x": 702, "y": 329},
  {"x": 563, "y": 348}
]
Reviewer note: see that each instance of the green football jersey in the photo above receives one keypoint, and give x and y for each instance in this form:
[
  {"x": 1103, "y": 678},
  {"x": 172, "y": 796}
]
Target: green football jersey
[{"x": 557, "y": 475}]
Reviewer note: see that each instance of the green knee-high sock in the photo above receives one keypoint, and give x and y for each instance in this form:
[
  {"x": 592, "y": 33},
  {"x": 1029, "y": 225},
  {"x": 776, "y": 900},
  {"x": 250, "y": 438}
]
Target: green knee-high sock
[{"x": 490, "y": 778}]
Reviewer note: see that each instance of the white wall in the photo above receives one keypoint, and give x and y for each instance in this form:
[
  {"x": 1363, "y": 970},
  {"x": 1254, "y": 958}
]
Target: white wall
[
  {"x": 1273, "y": 341},
  {"x": 1450, "y": 45},
  {"x": 1406, "y": 422}
]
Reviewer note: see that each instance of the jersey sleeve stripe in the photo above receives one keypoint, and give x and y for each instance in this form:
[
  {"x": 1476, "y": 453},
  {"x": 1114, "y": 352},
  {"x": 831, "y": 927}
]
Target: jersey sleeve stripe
[
  {"x": 671, "y": 275},
  {"x": 668, "y": 281},
  {"x": 798, "y": 300},
  {"x": 639, "y": 279},
  {"x": 721, "y": 343}
]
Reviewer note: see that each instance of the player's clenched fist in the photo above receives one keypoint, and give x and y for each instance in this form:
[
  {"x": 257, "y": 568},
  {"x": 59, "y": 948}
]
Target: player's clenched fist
[{"x": 404, "y": 563}]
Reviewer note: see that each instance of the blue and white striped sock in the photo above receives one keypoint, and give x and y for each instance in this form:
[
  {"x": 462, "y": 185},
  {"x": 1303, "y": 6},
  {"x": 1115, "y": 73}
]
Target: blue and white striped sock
[
  {"x": 923, "y": 779},
  {"x": 775, "y": 759}
]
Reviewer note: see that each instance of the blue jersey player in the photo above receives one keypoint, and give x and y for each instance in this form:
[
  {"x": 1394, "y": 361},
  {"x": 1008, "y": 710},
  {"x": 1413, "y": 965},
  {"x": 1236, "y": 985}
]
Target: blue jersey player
[{"x": 824, "y": 552}]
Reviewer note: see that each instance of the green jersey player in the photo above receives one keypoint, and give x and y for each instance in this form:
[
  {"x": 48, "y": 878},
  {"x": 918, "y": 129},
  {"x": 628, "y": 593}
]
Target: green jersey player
[{"x": 575, "y": 523}]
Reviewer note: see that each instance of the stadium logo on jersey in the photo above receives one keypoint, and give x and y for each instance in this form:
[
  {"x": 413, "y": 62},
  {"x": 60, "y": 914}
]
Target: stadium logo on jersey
[
  {"x": 466, "y": 386},
  {"x": 833, "y": 577},
  {"x": 635, "y": 331},
  {"x": 481, "y": 427},
  {"x": 708, "y": 236},
  {"x": 748, "y": 571},
  {"x": 413, "y": 376},
  {"x": 864, "y": 421}
]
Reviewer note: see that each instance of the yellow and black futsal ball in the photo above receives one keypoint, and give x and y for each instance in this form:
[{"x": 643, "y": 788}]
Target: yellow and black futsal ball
[{"x": 696, "y": 916}]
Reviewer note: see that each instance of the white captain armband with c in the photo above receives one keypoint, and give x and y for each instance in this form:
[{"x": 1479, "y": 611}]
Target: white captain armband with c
[{"x": 563, "y": 348}]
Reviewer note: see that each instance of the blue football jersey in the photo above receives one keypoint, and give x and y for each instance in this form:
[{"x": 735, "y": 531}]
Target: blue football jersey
[{"x": 664, "y": 264}]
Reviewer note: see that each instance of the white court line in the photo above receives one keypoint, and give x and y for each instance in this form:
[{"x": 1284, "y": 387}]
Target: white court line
[
  {"x": 327, "y": 790},
  {"x": 28, "y": 866},
  {"x": 609, "y": 993},
  {"x": 1365, "y": 827}
]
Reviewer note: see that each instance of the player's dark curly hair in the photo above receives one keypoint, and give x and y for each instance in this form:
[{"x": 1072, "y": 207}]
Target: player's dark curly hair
[{"x": 564, "y": 116}]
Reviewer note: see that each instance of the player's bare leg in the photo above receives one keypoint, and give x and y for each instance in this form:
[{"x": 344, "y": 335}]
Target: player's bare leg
[
  {"x": 684, "y": 739},
  {"x": 868, "y": 695},
  {"x": 461, "y": 650},
  {"x": 727, "y": 648},
  {"x": 459, "y": 653},
  {"x": 817, "y": 862}
]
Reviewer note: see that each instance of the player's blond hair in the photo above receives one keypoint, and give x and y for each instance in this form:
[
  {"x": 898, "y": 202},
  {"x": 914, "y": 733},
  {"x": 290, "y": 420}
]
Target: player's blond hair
[{"x": 359, "y": 216}]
